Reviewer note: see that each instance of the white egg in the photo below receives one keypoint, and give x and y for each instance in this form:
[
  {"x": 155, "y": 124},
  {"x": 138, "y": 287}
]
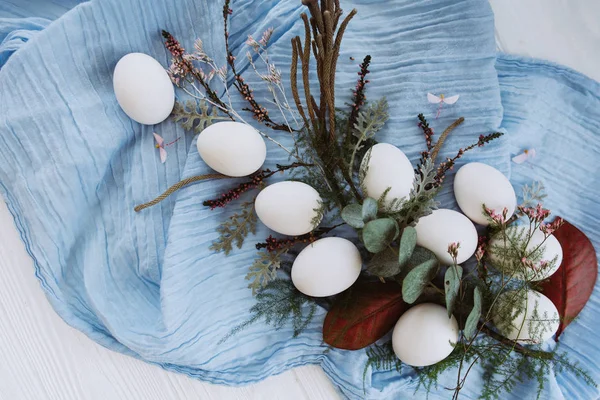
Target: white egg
[
  {"x": 388, "y": 167},
  {"x": 232, "y": 148},
  {"x": 289, "y": 208},
  {"x": 143, "y": 89},
  {"x": 326, "y": 267},
  {"x": 424, "y": 335},
  {"x": 442, "y": 227},
  {"x": 476, "y": 184},
  {"x": 535, "y": 320},
  {"x": 551, "y": 247}
]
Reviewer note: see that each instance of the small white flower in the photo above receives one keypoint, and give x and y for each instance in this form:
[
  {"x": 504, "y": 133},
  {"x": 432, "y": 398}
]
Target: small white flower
[{"x": 524, "y": 156}]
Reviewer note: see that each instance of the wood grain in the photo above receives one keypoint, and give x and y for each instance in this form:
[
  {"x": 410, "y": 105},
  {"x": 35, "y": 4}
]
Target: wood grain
[{"x": 43, "y": 358}]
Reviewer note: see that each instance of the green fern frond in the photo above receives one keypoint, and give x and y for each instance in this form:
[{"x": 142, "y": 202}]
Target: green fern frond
[
  {"x": 382, "y": 358},
  {"x": 279, "y": 303}
]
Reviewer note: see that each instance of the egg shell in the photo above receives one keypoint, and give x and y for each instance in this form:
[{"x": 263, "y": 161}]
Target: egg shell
[
  {"x": 552, "y": 249},
  {"x": 476, "y": 184},
  {"x": 232, "y": 148},
  {"x": 424, "y": 335},
  {"x": 527, "y": 327},
  {"x": 143, "y": 89},
  {"x": 288, "y": 207},
  {"x": 388, "y": 167},
  {"x": 326, "y": 267},
  {"x": 442, "y": 227}
]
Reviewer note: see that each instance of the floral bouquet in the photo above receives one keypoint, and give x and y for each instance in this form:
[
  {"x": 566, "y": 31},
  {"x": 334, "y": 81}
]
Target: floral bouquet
[{"x": 357, "y": 228}]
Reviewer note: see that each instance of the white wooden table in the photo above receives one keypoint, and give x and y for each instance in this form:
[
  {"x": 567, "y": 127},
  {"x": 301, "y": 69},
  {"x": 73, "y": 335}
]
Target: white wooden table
[{"x": 43, "y": 358}]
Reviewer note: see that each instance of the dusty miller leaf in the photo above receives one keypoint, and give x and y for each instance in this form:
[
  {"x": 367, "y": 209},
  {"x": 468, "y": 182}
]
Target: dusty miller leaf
[
  {"x": 235, "y": 229},
  {"x": 352, "y": 215},
  {"x": 417, "y": 279},
  {"x": 384, "y": 264},
  {"x": 474, "y": 315},
  {"x": 421, "y": 200},
  {"x": 264, "y": 269},
  {"x": 408, "y": 241},
  {"x": 368, "y": 123},
  {"x": 378, "y": 234},
  {"x": 369, "y": 209},
  {"x": 194, "y": 116},
  {"x": 451, "y": 285}
]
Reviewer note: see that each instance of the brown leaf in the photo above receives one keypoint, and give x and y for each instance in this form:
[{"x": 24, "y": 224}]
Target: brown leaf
[
  {"x": 370, "y": 310},
  {"x": 572, "y": 284}
]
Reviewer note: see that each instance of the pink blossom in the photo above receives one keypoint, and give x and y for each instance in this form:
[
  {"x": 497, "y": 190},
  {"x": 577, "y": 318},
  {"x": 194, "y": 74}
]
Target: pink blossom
[
  {"x": 266, "y": 36},
  {"x": 535, "y": 214},
  {"x": 550, "y": 228},
  {"x": 252, "y": 43},
  {"x": 498, "y": 219},
  {"x": 453, "y": 250}
]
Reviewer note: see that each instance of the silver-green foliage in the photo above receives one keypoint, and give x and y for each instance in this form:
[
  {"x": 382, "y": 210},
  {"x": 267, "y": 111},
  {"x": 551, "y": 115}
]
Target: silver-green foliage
[
  {"x": 195, "y": 116},
  {"x": 369, "y": 122},
  {"x": 236, "y": 228},
  {"x": 264, "y": 269}
]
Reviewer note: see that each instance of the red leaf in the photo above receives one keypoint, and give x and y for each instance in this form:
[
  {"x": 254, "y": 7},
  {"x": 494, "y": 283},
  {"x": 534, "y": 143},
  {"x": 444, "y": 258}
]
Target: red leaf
[
  {"x": 369, "y": 312},
  {"x": 572, "y": 284}
]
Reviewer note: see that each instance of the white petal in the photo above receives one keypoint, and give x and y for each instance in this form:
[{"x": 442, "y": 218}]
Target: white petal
[
  {"x": 433, "y": 98},
  {"x": 451, "y": 99},
  {"x": 158, "y": 139},
  {"x": 521, "y": 158}
]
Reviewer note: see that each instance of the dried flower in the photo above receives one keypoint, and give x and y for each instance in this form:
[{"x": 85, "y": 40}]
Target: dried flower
[
  {"x": 266, "y": 36},
  {"x": 253, "y": 43},
  {"x": 427, "y": 131},
  {"x": 496, "y": 218},
  {"x": 481, "y": 247},
  {"x": 453, "y": 250},
  {"x": 550, "y": 228},
  {"x": 535, "y": 214},
  {"x": 173, "y": 45}
]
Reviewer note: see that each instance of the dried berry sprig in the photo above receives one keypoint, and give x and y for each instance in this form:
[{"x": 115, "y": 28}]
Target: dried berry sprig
[
  {"x": 427, "y": 131},
  {"x": 260, "y": 113},
  {"x": 358, "y": 95},
  {"x": 447, "y": 165},
  {"x": 256, "y": 180},
  {"x": 181, "y": 67},
  {"x": 275, "y": 244}
]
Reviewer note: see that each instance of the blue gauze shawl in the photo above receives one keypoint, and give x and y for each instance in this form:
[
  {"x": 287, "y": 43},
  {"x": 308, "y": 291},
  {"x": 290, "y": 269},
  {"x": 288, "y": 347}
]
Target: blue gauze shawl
[{"x": 72, "y": 165}]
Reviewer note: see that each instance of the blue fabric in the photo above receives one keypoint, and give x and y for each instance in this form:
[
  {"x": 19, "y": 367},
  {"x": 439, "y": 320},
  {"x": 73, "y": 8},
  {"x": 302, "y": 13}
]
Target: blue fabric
[{"x": 73, "y": 165}]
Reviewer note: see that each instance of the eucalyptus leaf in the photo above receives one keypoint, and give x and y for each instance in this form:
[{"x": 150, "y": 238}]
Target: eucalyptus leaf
[
  {"x": 352, "y": 215},
  {"x": 451, "y": 285},
  {"x": 416, "y": 280},
  {"x": 384, "y": 264},
  {"x": 408, "y": 241},
  {"x": 369, "y": 209},
  {"x": 379, "y": 233},
  {"x": 474, "y": 315},
  {"x": 419, "y": 256}
]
